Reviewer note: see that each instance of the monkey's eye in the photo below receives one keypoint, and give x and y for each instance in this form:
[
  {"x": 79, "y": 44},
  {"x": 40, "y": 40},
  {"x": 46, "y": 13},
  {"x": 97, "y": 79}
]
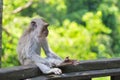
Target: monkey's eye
[{"x": 33, "y": 23}]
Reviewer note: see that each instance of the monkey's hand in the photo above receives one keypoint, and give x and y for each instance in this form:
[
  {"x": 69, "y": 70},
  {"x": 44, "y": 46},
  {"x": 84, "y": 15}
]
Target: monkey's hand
[
  {"x": 57, "y": 62},
  {"x": 55, "y": 71},
  {"x": 47, "y": 69},
  {"x": 54, "y": 62}
]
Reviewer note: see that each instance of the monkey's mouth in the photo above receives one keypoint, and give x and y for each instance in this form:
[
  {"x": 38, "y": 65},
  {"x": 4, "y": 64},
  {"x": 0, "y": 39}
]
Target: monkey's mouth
[{"x": 46, "y": 34}]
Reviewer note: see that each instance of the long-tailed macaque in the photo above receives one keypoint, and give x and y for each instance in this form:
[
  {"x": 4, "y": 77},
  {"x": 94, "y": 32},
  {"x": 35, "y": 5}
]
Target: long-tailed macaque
[{"x": 30, "y": 44}]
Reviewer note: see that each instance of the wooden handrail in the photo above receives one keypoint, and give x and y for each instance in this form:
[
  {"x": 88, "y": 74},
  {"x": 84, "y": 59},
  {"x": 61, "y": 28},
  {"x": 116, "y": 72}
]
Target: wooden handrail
[{"x": 86, "y": 69}]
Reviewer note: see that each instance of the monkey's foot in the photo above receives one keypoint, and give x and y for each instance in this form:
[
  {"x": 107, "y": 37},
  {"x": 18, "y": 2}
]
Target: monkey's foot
[{"x": 55, "y": 71}]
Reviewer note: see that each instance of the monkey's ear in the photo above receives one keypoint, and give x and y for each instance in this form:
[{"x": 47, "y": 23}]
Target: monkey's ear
[{"x": 33, "y": 25}]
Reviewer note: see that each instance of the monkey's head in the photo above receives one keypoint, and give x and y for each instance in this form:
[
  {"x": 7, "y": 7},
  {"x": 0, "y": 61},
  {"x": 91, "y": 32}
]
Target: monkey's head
[{"x": 39, "y": 27}]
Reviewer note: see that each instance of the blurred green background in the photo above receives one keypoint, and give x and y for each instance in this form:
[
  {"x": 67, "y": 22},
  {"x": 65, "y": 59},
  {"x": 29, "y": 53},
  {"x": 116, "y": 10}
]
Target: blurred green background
[{"x": 80, "y": 29}]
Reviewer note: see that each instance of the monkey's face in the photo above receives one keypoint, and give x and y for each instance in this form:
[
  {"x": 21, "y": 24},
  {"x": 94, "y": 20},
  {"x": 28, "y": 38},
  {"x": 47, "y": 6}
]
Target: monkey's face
[
  {"x": 45, "y": 31},
  {"x": 40, "y": 27}
]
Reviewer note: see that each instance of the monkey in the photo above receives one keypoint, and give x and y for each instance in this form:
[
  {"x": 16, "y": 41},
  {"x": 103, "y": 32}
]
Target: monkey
[{"x": 29, "y": 47}]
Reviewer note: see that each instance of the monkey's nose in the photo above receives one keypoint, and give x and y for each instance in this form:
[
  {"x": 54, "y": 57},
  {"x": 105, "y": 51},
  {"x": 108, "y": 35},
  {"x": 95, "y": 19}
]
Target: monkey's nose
[{"x": 46, "y": 24}]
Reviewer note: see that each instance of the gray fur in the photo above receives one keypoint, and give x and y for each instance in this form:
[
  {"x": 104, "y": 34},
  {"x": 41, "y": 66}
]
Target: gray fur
[{"x": 29, "y": 49}]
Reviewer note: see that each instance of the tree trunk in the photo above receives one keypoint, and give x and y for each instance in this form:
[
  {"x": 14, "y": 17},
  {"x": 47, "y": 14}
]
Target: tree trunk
[{"x": 1, "y": 4}]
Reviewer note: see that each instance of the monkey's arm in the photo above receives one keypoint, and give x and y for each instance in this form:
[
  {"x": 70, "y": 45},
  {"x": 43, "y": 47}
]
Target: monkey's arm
[
  {"x": 48, "y": 51},
  {"x": 44, "y": 65},
  {"x": 33, "y": 54}
]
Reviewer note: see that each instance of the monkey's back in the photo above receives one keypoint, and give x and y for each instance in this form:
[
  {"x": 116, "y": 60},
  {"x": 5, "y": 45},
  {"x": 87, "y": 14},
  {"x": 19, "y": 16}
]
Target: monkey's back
[{"x": 22, "y": 48}]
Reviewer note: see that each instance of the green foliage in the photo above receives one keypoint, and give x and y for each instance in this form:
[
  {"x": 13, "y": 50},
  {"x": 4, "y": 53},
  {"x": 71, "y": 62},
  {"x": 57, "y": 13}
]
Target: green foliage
[
  {"x": 82, "y": 42},
  {"x": 102, "y": 78},
  {"x": 81, "y": 29}
]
